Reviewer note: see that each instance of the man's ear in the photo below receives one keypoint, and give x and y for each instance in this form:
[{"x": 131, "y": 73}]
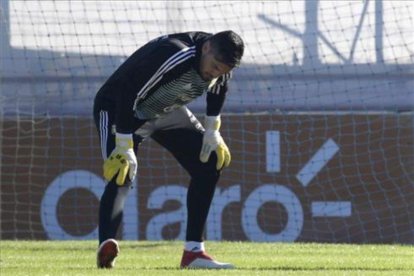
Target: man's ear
[{"x": 206, "y": 47}]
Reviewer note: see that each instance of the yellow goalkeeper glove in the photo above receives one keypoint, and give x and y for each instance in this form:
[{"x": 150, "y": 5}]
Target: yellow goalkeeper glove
[
  {"x": 212, "y": 141},
  {"x": 122, "y": 160}
]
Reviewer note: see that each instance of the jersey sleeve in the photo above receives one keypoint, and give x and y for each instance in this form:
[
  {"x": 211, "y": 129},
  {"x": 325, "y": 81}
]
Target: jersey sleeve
[
  {"x": 217, "y": 94},
  {"x": 143, "y": 71}
]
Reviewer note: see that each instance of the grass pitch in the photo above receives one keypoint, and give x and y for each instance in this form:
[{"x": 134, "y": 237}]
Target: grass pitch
[{"x": 162, "y": 258}]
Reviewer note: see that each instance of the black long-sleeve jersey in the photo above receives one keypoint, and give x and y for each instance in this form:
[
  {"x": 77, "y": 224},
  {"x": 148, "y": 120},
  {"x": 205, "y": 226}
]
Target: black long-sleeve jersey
[{"x": 159, "y": 77}]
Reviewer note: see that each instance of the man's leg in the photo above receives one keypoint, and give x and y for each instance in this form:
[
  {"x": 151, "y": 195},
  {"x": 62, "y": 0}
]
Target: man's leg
[
  {"x": 110, "y": 217},
  {"x": 185, "y": 142},
  {"x": 113, "y": 199},
  {"x": 185, "y": 145}
]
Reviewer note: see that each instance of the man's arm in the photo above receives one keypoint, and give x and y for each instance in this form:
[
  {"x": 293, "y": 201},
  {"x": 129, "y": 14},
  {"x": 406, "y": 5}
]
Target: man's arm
[
  {"x": 217, "y": 94},
  {"x": 135, "y": 78},
  {"x": 212, "y": 140}
]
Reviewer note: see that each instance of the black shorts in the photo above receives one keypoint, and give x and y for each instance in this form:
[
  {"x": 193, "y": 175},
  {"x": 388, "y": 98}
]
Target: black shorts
[{"x": 179, "y": 131}]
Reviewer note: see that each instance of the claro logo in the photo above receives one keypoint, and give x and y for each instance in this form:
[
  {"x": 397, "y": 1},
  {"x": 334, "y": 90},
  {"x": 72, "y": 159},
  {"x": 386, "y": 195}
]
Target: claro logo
[{"x": 253, "y": 202}]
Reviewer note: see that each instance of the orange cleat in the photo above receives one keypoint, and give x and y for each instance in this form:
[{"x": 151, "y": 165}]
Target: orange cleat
[{"x": 107, "y": 252}]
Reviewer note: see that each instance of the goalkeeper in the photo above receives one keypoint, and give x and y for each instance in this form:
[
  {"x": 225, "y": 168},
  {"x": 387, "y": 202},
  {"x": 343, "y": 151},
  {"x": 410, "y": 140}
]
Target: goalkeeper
[{"x": 146, "y": 97}]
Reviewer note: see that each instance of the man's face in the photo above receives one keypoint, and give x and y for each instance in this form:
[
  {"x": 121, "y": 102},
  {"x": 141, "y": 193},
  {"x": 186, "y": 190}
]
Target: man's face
[{"x": 210, "y": 67}]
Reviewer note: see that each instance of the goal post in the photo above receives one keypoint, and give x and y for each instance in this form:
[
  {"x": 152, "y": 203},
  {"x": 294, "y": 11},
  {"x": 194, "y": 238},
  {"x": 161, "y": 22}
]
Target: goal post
[{"x": 318, "y": 118}]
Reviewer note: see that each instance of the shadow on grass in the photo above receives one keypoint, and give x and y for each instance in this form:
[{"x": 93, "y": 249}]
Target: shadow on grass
[
  {"x": 285, "y": 268},
  {"x": 146, "y": 245}
]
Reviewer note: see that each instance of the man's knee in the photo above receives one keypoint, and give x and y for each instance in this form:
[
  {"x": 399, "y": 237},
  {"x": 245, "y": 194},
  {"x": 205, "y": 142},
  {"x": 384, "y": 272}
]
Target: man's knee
[{"x": 207, "y": 171}]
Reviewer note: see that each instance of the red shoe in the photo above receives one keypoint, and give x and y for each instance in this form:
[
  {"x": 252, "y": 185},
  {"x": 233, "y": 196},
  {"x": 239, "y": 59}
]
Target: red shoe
[
  {"x": 107, "y": 252},
  {"x": 201, "y": 260}
]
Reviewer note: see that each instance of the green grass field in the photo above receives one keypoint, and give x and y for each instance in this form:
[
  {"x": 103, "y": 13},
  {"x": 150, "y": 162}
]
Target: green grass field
[{"x": 162, "y": 258}]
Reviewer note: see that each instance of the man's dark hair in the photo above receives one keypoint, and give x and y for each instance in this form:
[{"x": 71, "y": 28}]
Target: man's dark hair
[{"x": 228, "y": 47}]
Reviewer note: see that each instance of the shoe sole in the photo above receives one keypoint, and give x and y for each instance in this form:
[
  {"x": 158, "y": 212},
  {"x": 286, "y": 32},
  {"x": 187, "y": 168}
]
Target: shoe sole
[
  {"x": 200, "y": 263},
  {"x": 107, "y": 253}
]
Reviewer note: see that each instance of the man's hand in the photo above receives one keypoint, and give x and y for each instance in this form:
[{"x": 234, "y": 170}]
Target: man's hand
[
  {"x": 122, "y": 160},
  {"x": 212, "y": 141}
]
